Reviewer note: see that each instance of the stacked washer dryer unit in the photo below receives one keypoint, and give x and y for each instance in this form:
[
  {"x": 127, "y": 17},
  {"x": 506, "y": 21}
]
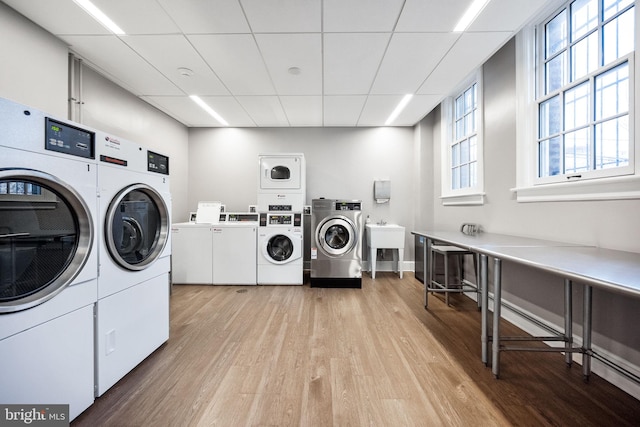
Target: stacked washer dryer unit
[
  {"x": 281, "y": 199},
  {"x": 48, "y": 259},
  {"x": 132, "y": 315},
  {"x": 336, "y": 249}
]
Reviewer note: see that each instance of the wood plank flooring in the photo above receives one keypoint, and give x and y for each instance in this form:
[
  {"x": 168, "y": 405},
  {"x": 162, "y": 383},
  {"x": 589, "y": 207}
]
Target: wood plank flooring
[{"x": 293, "y": 355}]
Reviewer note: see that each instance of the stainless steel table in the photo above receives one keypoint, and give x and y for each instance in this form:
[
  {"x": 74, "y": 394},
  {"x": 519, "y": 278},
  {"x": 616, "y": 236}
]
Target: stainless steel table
[{"x": 610, "y": 270}]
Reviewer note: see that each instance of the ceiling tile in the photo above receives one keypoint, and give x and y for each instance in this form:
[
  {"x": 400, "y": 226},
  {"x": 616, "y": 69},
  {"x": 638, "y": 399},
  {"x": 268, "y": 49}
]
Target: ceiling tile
[
  {"x": 431, "y": 15},
  {"x": 283, "y": 16},
  {"x": 122, "y": 65},
  {"x": 416, "y": 109},
  {"x": 236, "y": 60},
  {"x": 409, "y": 59},
  {"x": 266, "y": 111},
  {"x": 303, "y": 110},
  {"x": 168, "y": 53},
  {"x": 200, "y": 17},
  {"x": 343, "y": 110},
  {"x": 75, "y": 19},
  {"x": 283, "y": 51},
  {"x": 351, "y": 61},
  {"x": 360, "y": 15},
  {"x": 506, "y": 15},
  {"x": 377, "y": 109},
  {"x": 469, "y": 52},
  {"x": 126, "y": 14}
]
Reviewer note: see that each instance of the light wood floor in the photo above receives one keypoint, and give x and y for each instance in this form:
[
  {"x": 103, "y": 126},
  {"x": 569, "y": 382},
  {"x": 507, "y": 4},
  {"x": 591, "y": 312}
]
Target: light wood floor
[{"x": 293, "y": 355}]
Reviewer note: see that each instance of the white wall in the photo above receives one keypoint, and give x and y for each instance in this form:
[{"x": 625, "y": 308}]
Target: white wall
[
  {"x": 34, "y": 64},
  {"x": 610, "y": 224}
]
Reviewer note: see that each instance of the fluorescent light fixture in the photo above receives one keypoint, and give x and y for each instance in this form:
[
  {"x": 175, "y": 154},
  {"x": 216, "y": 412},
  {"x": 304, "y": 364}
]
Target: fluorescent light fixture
[
  {"x": 403, "y": 103},
  {"x": 208, "y": 109},
  {"x": 99, "y": 16},
  {"x": 471, "y": 14}
]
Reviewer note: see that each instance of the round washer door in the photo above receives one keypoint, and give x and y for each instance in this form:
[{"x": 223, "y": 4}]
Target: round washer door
[
  {"x": 136, "y": 227},
  {"x": 336, "y": 235},
  {"x": 46, "y": 235},
  {"x": 281, "y": 248}
]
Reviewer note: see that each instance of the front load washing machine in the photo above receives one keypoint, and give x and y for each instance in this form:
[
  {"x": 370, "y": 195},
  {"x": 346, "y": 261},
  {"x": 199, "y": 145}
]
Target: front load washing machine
[
  {"x": 132, "y": 315},
  {"x": 336, "y": 246},
  {"x": 48, "y": 259},
  {"x": 279, "y": 249}
]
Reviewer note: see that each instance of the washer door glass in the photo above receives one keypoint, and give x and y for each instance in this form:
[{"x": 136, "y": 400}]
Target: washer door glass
[
  {"x": 279, "y": 248},
  {"x": 46, "y": 235},
  {"x": 136, "y": 227},
  {"x": 336, "y": 236}
]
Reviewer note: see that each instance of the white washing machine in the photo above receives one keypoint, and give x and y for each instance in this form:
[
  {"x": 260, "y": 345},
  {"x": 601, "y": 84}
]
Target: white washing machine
[
  {"x": 234, "y": 249},
  {"x": 48, "y": 259},
  {"x": 281, "y": 182},
  {"x": 223, "y": 253},
  {"x": 191, "y": 253},
  {"x": 132, "y": 315},
  {"x": 280, "y": 248}
]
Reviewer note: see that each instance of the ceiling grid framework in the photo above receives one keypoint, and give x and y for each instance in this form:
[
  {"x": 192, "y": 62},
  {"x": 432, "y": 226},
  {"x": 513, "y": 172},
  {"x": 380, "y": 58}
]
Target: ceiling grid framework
[{"x": 356, "y": 59}]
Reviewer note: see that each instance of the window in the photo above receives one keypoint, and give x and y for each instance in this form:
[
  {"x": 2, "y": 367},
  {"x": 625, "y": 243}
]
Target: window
[
  {"x": 462, "y": 152},
  {"x": 583, "y": 110},
  {"x": 579, "y": 65}
]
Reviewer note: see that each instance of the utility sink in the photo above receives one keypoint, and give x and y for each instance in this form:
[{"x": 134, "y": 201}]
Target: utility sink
[{"x": 385, "y": 236}]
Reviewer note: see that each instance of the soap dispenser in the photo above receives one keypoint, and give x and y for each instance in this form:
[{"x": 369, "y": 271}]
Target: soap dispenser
[{"x": 368, "y": 220}]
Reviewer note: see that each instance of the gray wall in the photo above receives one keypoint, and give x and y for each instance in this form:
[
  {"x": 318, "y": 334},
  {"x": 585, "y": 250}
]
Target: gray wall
[{"x": 610, "y": 224}]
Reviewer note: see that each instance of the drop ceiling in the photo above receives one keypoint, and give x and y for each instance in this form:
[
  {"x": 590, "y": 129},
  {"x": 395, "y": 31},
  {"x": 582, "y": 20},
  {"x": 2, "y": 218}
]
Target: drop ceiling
[{"x": 285, "y": 63}]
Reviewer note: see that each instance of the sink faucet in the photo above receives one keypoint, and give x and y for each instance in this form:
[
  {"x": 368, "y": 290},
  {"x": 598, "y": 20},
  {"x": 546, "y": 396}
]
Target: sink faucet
[{"x": 382, "y": 222}]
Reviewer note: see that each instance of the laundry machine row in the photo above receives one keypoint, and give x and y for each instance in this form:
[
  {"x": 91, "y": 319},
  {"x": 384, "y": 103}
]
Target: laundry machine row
[{"x": 216, "y": 254}]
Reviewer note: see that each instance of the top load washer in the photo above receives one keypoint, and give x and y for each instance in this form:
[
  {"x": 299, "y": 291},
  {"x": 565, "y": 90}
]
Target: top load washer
[
  {"x": 336, "y": 246},
  {"x": 132, "y": 315},
  {"x": 281, "y": 182},
  {"x": 48, "y": 259},
  {"x": 234, "y": 249}
]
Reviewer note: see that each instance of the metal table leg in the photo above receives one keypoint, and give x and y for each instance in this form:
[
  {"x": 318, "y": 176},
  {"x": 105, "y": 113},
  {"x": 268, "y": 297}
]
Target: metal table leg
[
  {"x": 427, "y": 271},
  {"x": 497, "y": 300},
  {"x": 484, "y": 307},
  {"x": 586, "y": 332},
  {"x": 568, "y": 322}
]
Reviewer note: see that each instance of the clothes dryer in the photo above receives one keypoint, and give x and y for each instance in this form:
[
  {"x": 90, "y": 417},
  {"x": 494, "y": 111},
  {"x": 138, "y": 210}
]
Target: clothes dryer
[
  {"x": 280, "y": 248},
  {"x": 132, "y": 315},
  {"x": 48, "y": 259},
  {"x": 336, "y": 247},
  {"x": 281, "y": 182}
]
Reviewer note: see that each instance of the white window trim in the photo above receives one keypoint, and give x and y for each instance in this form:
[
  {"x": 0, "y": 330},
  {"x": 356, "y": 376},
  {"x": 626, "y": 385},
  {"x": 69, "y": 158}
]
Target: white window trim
[
  {"x": 471, "y": 195},
  {"x": 527, "y": 190}
]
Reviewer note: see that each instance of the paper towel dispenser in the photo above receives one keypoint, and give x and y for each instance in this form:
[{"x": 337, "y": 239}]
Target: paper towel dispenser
[{"x": 382, "y": 190}]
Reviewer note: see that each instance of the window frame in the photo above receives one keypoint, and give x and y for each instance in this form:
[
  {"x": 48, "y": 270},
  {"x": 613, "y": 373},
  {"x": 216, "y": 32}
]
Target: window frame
[
  {"x": 468, "y": 195},
  {"x": 598, "y": 184}
]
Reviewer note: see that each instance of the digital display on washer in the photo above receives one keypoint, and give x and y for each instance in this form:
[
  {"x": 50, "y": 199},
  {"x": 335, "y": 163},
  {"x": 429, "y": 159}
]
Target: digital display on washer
[
  {"x": 157, "y": 163},
  {"x": 348, "y": 206},
  {"x": 280, "y": 219},
  {"x": 242, "y": 217},
  {"x": 67, "y": 139}
]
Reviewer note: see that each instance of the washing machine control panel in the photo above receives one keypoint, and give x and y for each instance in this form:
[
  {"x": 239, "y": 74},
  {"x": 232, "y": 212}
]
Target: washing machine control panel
[
  {"x": 348, "y": 206},
  {"x": 67, "y": 139},
  {"x": 267, "y": 219}
]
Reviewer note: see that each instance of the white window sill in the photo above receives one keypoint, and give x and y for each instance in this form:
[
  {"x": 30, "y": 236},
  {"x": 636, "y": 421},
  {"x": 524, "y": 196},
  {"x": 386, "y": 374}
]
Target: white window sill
[
  {"x": 472, "y": 199},
  {"x": 618, "y": 188}
]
